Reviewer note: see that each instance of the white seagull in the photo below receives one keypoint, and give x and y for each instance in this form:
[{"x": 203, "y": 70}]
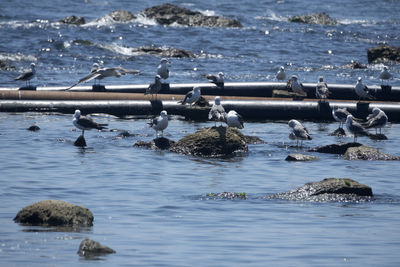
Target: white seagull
[
  {"x": 159, "y": 123},
  {"x": 217, "y": 111},
  {"x": 27, "y": 75},
  {"x": 322, "y": 91},
  {"x": 377, "y": 119},
  {"x": 233, "y": 119},
  {"x": 162, "y": 69},
  {"x": 385, "y": 74},
  {"x": 362, "y": 90},
  {"x": 101, "y": 73},
  {"x": 281, "y": 75},
  {"x": 355, "y": 128},
  {"x": 299, "y": 132},
  {"x": 154, "y": 87},
  {"x": 218, "y": 79},
  {"x": 85, "y": 123},
  {"x": 191, "y": 97}
]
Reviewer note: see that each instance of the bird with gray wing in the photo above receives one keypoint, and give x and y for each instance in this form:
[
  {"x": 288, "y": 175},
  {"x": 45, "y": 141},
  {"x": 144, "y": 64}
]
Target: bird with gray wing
[
  {"x": 159, "y": 123},
  {"x": 299, "y": 132},
  {"x": 162, "y": 69},
  {"x": 217, "y": 111},
  {"x": 191, "y": 97},
  {"x": 355, "y": 128},
  {"x": 385, "y": 75},
  {"x": 233, "y": 119},
  {"x": 281, "y": 75},
  {"x": 362, "y": 90},
  {"x": 85, "y": 123},
  {"x": 218, "y": 79},
  {"x": 27, "y": 75},
  {"x": 377, "y": 119},
  {"x": 154, "y": 87},
  {"x": 322, "y": 91}
]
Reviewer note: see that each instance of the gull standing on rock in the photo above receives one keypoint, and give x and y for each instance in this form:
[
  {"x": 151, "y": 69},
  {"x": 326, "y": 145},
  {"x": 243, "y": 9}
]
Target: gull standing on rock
[
  {"x": 191, "y": 97},
  {"x": 385, "y": 75},
  {"x": 154, "y": 87},
  {"x": 355, "y": 128},
  {"x": 362, "y": 90},
  {"x": 27, "y": 75},
  {"x": 160, "y": 123},
  {"x": 299, "y": 132},
  {"x": 218, "y": 79},
  {"x": 281, "y": 75},
  {"x": 322, "y": 91},
  {"x": 233, "y": 119},
  {"x": 217, "y": 111},
  {"x": 85, "y": 123},
  {"x": 377, "y": 119},
  {"x": 162, "y": 69}
]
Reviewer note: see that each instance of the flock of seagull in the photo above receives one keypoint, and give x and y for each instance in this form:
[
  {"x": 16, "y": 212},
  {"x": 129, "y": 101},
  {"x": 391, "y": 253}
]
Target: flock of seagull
[{"x": 377, "y": 119}]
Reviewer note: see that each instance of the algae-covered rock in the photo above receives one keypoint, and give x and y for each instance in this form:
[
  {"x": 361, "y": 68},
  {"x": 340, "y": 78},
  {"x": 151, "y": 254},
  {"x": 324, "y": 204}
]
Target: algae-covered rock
[
  {"x": 367, "y": 153},
  {"x": 382, "y": 54},
  {"x": 300, "y": 157},
  {"x": 212, "y": 142},
  {"x": 54, "y": 213},
  {"x": 335, "y": 148},
  {"x": 157, "y": 143},
  {"x": 73, "y": 20},
  {"x": 316, "y": 18},
  {"x": 90, "y": 248},
  {"x": 164, "y": 52}
]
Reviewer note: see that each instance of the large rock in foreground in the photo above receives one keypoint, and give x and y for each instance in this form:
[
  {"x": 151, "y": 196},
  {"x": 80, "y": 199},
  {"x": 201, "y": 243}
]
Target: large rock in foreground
[
  {"x": 212, "y": 142},
  {"x": 367, "y": 153},
  {"x": 330, "y": 189},
  {"x": 167, "y": 14},
  {"x": 90, "y": 249},
  {"x": 383, "y": 54},
  {"x": 55, "y": 213},
  {"x": 316, "y": 18}
]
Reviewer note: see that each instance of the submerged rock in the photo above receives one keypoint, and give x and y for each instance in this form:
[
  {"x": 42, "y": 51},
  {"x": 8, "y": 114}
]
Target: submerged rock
[
  {"x": 164, "y": 52},
  {"x": 338, "y": 132},
  {"x": 90, "y": 248},
  {"x": 316, "y": 18},
  {"x": 33, "y": 128},
  {"x": 157, "y": 143},
  {"x": 335, "y": 148},
  {"x": 4, "y": 65},
  {"x": 54, "y": 213},
  {"x": 367, "y": 153},
  {"x": 122, "y": 16},
  {"x": 226, "y": 195},
  {"x": 212, "y": 142},
  {"x": 329, "y": 189},
  {"x": 80, "y": 141},
  {"x": 73, "y": 20},
  {"x": 300, "y": 157},
  {"x": 382, "y": 54},
  {"x": 167, "y": 14},
  {"x": 355, "y": 65}
]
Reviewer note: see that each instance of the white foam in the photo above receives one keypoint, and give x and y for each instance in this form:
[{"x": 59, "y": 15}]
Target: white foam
[{"x": 17, "y": 57}]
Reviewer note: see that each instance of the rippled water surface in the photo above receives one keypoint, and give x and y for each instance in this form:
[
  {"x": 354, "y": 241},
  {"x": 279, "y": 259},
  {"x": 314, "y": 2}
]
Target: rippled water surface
[{"x": 151, "y": 206}]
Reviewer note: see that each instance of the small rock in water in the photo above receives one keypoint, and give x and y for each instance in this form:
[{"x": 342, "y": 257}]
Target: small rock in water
[
  {"x": 74, "y": 20},
  {"x": 226, "y": 195},
  {"x": 34, "y": 128},
  {"x": 300, "y": 157},
  {"x": 338, "y": 132},
  {"x": 378, "y": 137},
  {"x": 335, "y": 148},
  {"x": 157, "y": 143},
  {"x": 367, "y": 153},
  {"x": 81, "y": 142},
  {"x": 92, "y": 249}
]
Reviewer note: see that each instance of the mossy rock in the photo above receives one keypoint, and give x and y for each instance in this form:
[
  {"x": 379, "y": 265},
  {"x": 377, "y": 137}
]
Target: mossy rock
[
  {"x": 316, "y": 18},
  {"x": 367, "y": 153},
  {"x": 92, "y": 249}
]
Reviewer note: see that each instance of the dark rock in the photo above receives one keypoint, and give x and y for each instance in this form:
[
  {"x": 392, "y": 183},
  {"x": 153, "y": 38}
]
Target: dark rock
[
  {"x": 5, "y": 66},
  {"x": 300, "y": 157},
  {"x": 355, "y": 65},
  {"x": 81, "y": 142},
  {"x": 335, "y": 148},
  {"x": 330, "y": 189},
  {"x": 382, "y": 54},
  {"x": 316, "y": 18},
  {"x": 74, "y": 20},
  {"x": 122, "y": 16},
  {"x": 92, "y": 249},
  {"x": 338, "y": 132},
  {"x": 226, "y": 196},
  {"x": 54, "y": 213},
  {"x": 164, "y": 52},
  {"x": 212, "y": 142},
  {"x": 377, "y": 137},
  {"x": 367, "y": 153},
  {"x": 253, "y": 140},
  {"x": 167, "y": 14},
  {"x": 34, "y": 128},
  {"x": 158, "y": 143}
]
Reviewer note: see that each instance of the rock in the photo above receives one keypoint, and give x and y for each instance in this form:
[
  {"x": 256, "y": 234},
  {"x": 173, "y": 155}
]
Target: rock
[
  {"x": 158, "y": 143},
  {"x": 253, "y": 140},
  {"x": 164, "y": 52},
  {"x": 355, "y": 65},
  {"x": 288, "y": 94},
  {"x": 335, "y": 148},
  {"x": 54, "y": 213},
  {"x": 167, "y": 14},
  {"x": 367, "y": 153},
  {"x": 212, "y": 142},
  {"x": 300, "y": 157},
  {"x": 338, "y": 132},
  {"x": 330, "y": 189},
  {"x": 80, "y": 142},
  {"x": 377, "y": 137},
  {"x": 122, "y": 16},
  {"x": 34, "y": 128},
  {"x": 5, "y": 66},
  {"x": 226, "y": 196},
  {"x": 89, "y": 248},
  {"x": 73, "y": 20},
  {"x": 382, "y": 54},
  {"x": 316, "y": 18}
]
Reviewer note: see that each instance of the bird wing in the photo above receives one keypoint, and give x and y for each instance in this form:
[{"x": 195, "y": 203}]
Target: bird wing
[
  {"x": 378, "y": 120},
  {"x": 240, "y": 118},
  {"x": 124, "y": 71},
  {"x": 87, "y": 78},
  {"x": 213, "y": 78},
  {"x": 187, "y": 96},
  {"x": 27, "y": 75},
  {"x": 89, "y": 123}
]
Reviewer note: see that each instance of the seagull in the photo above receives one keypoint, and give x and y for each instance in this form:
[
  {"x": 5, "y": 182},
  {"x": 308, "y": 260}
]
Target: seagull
[
  {"x": 355, "y": 128},
  {"x": 85, "y": 123},
  {"x": 154, "y": 87},
  {"x": 233, "y": 119},
  {"x": 27, "y": 75},
  {"x": 362, "y": 90},
  {"x": 296, "y": 86},
  {"x": 101, "y": 73},
  {"x": 281, "y": 75},
  {"x": 160, "y": 123},
  {"x": 322, "y": 91},
  {"x": 377, "y": 119},
  {"x": 217, "y": 111},
  {"x": 299, "y": 132},
  {"x": 340, "y": 115},
  {"x": 162, "y": 69},
  {"x": 385, "y": 74},
  {"x": 191, "y": 97},
  {"x": 218, "y": 79}
]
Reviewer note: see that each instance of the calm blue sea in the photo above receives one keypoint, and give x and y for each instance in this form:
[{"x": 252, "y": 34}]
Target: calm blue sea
[{"x": 150, "y": 206}]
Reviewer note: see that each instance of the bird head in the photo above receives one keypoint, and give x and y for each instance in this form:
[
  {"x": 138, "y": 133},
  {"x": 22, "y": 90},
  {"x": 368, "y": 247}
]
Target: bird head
[
  {"x": 293, "y": 123},
  {"x": 77, "y": 114},
  {"x": 282, "y": 68},
  {"x": 221, "y": 74},
  {"x": 294, "y": 78},
  {"x": 217, "y": 100},
  {"x": 196, "y": 89},
  {"x": 385, "y": 68},
  {"x": 376, "y": 110},
  {"x": 321, "y": 79},
  {"x": 359, "y": 79},
  {"x": 349, "y": 118},
  {"x": 157, "y": 78},
  {"x": 163, "y": 113},
  {"x": 164, "y": 61}
]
